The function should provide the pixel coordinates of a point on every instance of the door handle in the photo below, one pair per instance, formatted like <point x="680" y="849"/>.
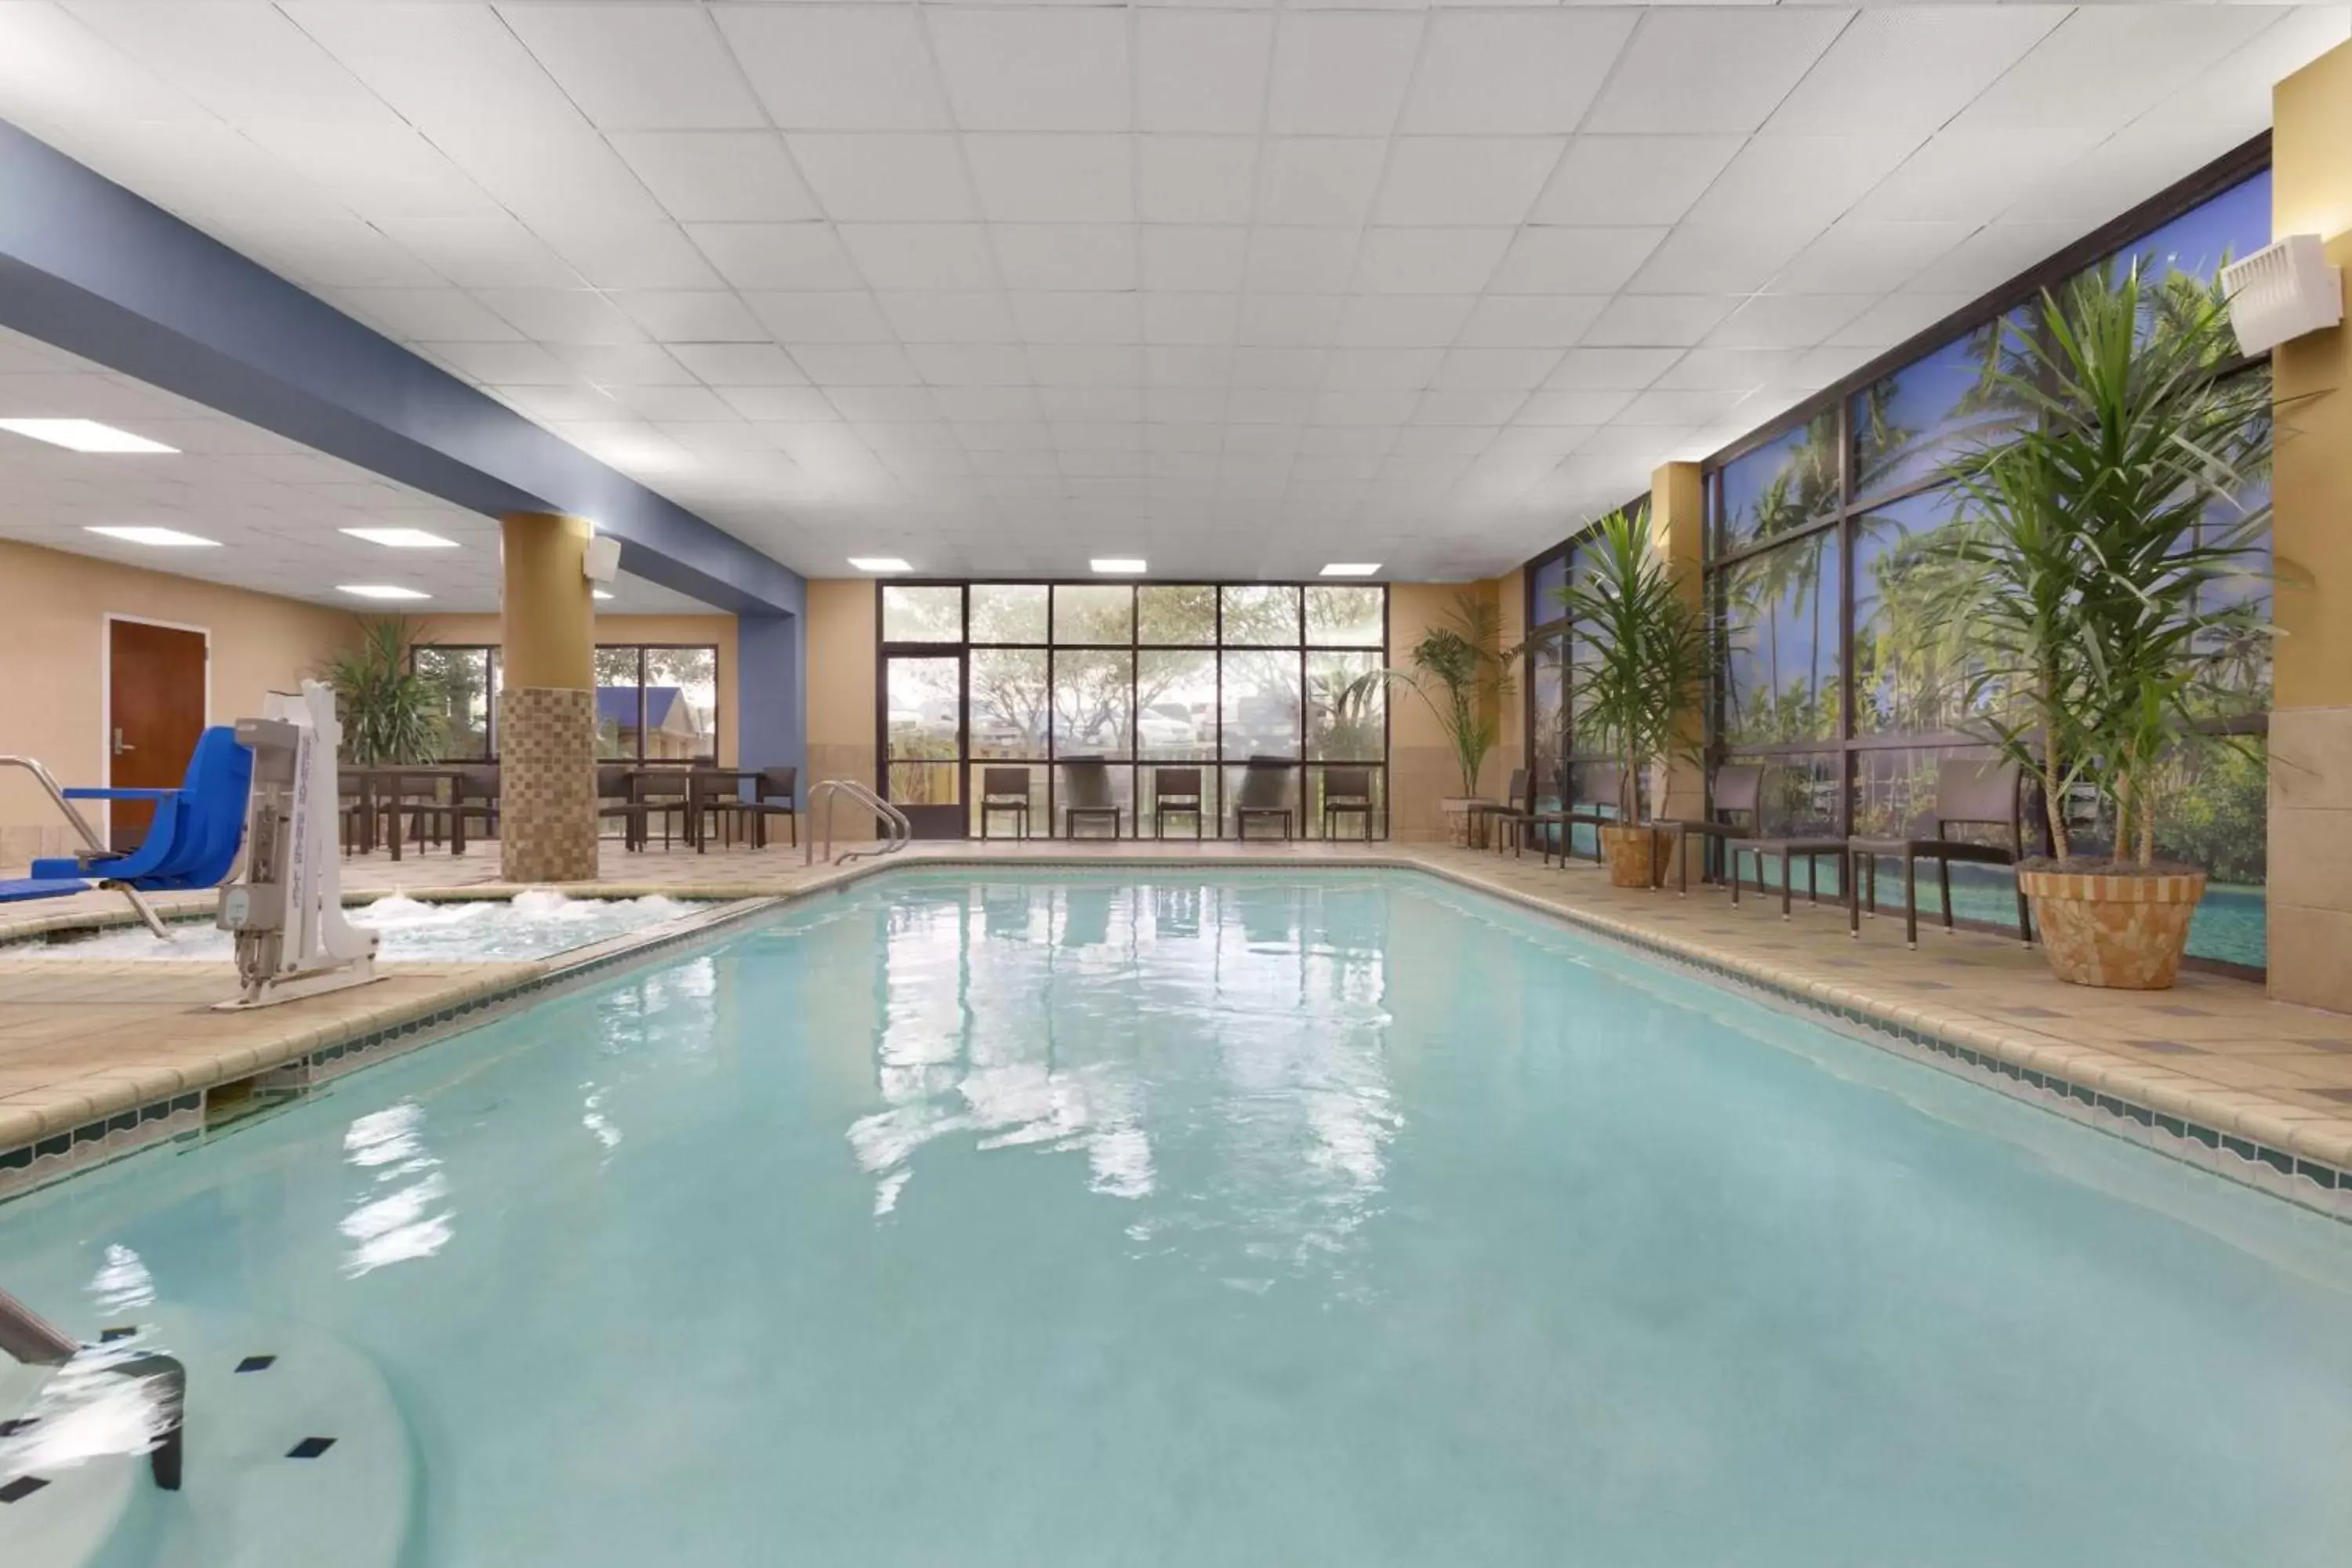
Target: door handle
<point x="122" y="745"/>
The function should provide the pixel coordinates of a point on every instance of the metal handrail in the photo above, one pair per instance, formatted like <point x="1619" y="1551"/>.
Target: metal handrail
<point x="32" y="1340"/>
<point x="901" y="831"/>
<point x="27" y="1336"/>
<point x="90" y="837"/>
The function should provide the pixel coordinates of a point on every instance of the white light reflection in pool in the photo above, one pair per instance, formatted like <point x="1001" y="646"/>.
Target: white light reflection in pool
<point x="404" y="1223"/>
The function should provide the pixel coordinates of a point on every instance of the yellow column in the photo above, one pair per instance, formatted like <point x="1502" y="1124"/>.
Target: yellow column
<point x="546" y="709"/>
<point x="1677" y="519"/>
<point x="2310" y="893"/>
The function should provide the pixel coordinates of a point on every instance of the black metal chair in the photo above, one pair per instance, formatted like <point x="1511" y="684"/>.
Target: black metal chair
<point x="420" y="797"/>
<point x="1515" y="813"/>
<point x="1265" y="793"/>
<point x="474" y="794"/>
<point x="1347" y="791"/>
<point x="1176" y="792"/>
<point x="1787" y="850"/>
<point x="775" y="792"/>
<point x="615" y="797"/>
<point x="1004" y="789"/>
<point x="1739" y="790"/>
<point x="1087" y="780"/>
<point x="1568" y="818"/>
<point x="1969" y="794"/>
<point x="667" y="794"/>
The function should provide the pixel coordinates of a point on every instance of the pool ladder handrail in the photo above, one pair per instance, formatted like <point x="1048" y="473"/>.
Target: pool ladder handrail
<point x="89" y="839"/>
<point x="31" y="1340"/>
<point x="901" y="831"/>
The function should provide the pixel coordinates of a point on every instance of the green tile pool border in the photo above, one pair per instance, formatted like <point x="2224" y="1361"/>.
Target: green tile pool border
<point x="2319" y="1186"/>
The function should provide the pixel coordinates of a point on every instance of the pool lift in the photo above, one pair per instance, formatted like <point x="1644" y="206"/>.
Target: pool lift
<point x="287" y="910"/>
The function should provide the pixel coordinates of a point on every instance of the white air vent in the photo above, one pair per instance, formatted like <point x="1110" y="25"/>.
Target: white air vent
<point x="2282" y="291"/>
<point x="603" y="562"/>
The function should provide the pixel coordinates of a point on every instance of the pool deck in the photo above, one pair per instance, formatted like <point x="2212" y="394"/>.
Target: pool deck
<point x="2212" y="1071"/>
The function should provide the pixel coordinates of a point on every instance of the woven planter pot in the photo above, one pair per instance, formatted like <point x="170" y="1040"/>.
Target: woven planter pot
<point x="2122" y="931"/>
<point x="1632" y="853"/>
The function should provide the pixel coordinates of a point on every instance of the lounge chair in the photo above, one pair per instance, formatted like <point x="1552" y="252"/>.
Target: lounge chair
<point x="1347" y="791"/>
<point x="1004" y="790"/>
<point x="1787" y="850"/>
<point x="1968" y="794"/>
<point x="1089" y="781"/>
<point x="1176" y="791"/>
<point x="1265" y="793"/>
<point x="191" y="841"/>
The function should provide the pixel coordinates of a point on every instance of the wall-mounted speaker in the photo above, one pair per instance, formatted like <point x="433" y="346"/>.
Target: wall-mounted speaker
<point x="2283" y="290"/>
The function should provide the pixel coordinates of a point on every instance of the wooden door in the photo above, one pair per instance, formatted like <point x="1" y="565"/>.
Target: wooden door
<point x="154" y="714"/>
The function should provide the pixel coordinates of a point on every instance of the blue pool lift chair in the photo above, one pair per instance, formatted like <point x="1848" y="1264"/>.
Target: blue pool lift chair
<point x="192" y="842"/>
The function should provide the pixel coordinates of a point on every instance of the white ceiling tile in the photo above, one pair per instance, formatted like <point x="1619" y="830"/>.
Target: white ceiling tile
<point x="1465" y="179"/>
<point x="1792" y="182"/>
<point x="886" y="178"/>
<point x="1911" y="69"/>
<point x="1194" y="258"/>
<point x="691" y="316"/>
<point x="880" y="402"/>
<point x="1632" y="179"/>
<point x="624" y="365"/>
<point x="1194" y="179"/>
<point x="1709" y="70"/>
<point x="971" y="364"/>
<point x="1301" y="260"/>
<point x="987" y="411"/>
<point x="634" y="68"/>
<point x="922" y="255"/>
<point x="1381" y="370"/>
<point x="1866" y="256"/>
<point x="1970" y="176"/>
<point x="1786" y="321"/>
<point x="1047" y="256"/>
<point x="1481" y="407"/>
<point x="673" y="403"/>
<point x="1048" y="69"/>
<point x="837" y="68"/>
<point x="1494" y="369"/>
<point x="1282" y="405"/>
<point x="2105" y="64"/>
<point x="498" y="253"/>
<point x="771" y="404"/>
<point x="1716" y="258"/>
<point x="1440" y="438"/>
<point x="1430" y="260"/>
<point x="725" y="176"/>
<point x="1897" y="319"/>
<point x="1094" y="417"/>
<point x="1574" y="260"/>
<point x="1658" y="320"/>
<point x="856" y="364"/>
<point x="738" y="364"/>
<point x="836" y="316"/>
<point x="975" y="317"/>
<point x="1400" y="321"/>
<point x="563" y="315"/>
<point x="1319" y="180"/>
<point x="1992" y="255"/>
<point x="1191" y="318"/>
<point x="1291" y="367"/>
<point x="1512" y="72"/>
<point x="1552" y="321"/>
<point x="1289" y="320"/>
<point x="1580" y="410"/>
<point x="628" y="254"/>
<point x="1086" y="364"/>
<point x="1063" y="317"/>
<point x="1202" y="71"/>
<point x="247" y="63"/>
<point x="1383" y="411"/>
<point x="1053" y="179"/>
<point x="426" y="315"/>
<point x="569" y="400"/>
<point x="775" y="255"/>
<point x="1729" y="370"/>
<point x="1341" y="73"/>
<point x="507" y="364"/>
<point x="556" y="171"/>
<point x="1174" y="365"/>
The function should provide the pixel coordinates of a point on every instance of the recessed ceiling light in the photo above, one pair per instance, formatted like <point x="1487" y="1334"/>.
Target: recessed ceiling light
<point x="379" y="591"/>
<point x="1117" y="564"/>
<point x="598" y="594"/>
<point x="163" y="538"/>
<point x="880" y="563"/>
<point x="83" y="436"/>
<point x="1353" y="569"/>
<point x="402" y="538"/>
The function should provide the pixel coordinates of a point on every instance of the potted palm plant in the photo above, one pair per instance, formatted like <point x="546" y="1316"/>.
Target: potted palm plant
<point x="1463" y="672"/>
<point x="1637" y="688"/>
<point x="2093" y="555"/>
<point x="390" y="713"/>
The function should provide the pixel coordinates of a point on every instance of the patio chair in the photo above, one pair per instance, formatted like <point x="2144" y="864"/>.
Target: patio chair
<point x="352" y="815"/>
<point x="419" y="795"/>
<point x="615" y="798"/>
<point x="1568" y="818"/>
<point x="1516" y="811"/>
<point x="1176" y="791"/>
<point x="714" y="799"/>
<point x="1738" y="791"/>
<point x="474" y="796"/>
<point x="1265" y="793"/>
<point x="1347" y="791"/>
<point x="775" y="792"/>
<point x="664" y="793"/>
<point x="1004" y="790"/>
<point x="1969" y="794"/>
<point x="1787" y="850"/>
<point x="1088" y="782"/>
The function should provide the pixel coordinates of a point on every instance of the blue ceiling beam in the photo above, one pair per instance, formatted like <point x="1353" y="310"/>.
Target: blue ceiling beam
<point x="95" y="270"/>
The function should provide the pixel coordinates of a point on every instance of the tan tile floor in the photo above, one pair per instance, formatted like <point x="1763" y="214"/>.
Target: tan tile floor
<point x="77" y="1043"/>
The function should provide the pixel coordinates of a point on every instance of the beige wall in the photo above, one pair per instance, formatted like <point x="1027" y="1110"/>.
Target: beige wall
<point x="52" y="695"/>
<point x="714" y="629"/>
<point x="1422" y="769"/>
<point x="2311" y="725"/>
<point x="841" y="633"/>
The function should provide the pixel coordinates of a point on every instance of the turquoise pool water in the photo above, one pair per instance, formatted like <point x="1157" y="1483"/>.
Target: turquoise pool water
<point x="1248" y="1220"/>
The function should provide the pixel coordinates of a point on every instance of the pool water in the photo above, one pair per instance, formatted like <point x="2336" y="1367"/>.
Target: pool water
<point x="537" y="923"/>
<point x="1062" y="1220"/>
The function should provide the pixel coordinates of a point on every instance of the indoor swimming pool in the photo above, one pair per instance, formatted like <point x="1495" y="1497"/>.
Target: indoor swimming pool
<point x="537" y="923"/>
<point x="1066" y="1219"/>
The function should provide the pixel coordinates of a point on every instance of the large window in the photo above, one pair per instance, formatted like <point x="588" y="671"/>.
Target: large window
<point x="656" y="702"/>
<point x="1144" y="676"/>
<point x="1833" y="666"/>
<point x="1565" y="764"/>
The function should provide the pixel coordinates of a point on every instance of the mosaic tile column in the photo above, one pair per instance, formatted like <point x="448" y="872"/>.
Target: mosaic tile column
<point x="547" y="710"/>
